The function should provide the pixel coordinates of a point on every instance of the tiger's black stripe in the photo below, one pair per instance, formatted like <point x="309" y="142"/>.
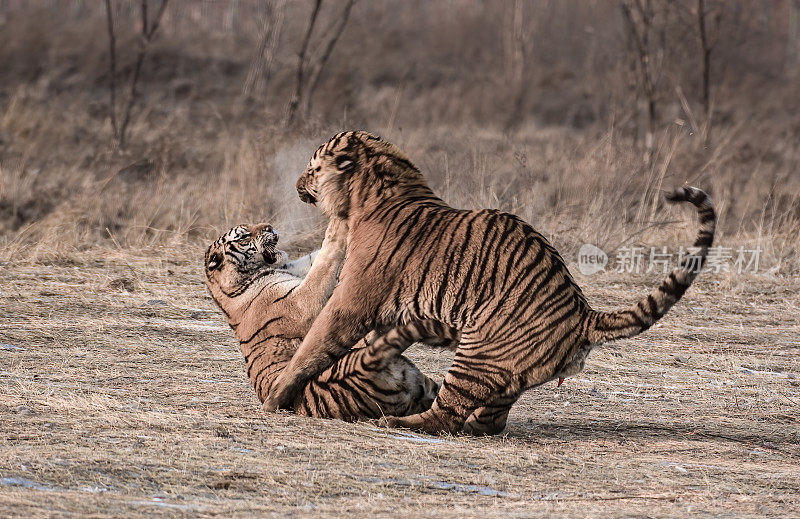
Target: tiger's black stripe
<point x="521" y="317"/>
<point x="258" y="303"/>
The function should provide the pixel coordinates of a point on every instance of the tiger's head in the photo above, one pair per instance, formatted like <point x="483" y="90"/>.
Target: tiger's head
<point x="353" y="168"/>
<point x="241" y="256"/>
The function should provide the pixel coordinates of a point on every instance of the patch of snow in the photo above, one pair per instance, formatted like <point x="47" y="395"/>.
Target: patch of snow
<point x="27" y="483"/>
<point x="417" y="439"/>
<point x="682" y="467"/>
<point x="768" y="373"/>
<point x="242" y="450"/>
<point x="199" y="310"/>
<point x="157" y="502"/>
<point x="94" y="490"/>
<point x="189" y="325"/>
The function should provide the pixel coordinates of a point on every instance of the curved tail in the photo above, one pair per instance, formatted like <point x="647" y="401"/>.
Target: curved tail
<point x="608" y="326"/>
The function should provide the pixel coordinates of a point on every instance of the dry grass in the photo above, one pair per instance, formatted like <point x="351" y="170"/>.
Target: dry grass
<point x="201" y="158"/>
<point x="122" y="392"/>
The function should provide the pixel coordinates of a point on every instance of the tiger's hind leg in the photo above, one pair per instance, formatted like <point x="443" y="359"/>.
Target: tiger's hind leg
<point x="466" y="387"/>
<point x="490" y="419"/>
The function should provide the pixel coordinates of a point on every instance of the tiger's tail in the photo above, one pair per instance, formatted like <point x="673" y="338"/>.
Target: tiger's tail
<point x="609" y="326"/>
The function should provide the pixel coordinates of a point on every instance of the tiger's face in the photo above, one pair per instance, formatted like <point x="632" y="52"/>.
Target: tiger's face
<point x="327" y="176"/>
<point x="240" y="256"/>
<point x="353" y="165"/>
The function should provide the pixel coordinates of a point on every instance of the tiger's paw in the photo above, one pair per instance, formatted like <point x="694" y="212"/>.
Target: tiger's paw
<point x="390" y="422"/>
<point x="473" y="428"/>
<point x="281" y="395"/>
<point x="276" y="401"/>
<point x="423" y="422"/>
<point x="270" y="405"/>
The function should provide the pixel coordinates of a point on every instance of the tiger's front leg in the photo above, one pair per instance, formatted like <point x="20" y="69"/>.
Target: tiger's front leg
<point x="339" y="325"/>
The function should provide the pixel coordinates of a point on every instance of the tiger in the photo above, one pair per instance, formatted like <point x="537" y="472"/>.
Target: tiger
<point x="521" y="318"/>
<point x="270" y="304"/>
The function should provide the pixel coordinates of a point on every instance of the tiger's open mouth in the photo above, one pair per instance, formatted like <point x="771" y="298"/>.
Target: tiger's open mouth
<point x="274" y="257"/>
<point x="306" y="197"/>
<point x="267" y="244"/>
<point x="270" y="257"/>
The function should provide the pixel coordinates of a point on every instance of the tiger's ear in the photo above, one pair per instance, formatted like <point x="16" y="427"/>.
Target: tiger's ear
<point x="345" y="163"/>
<point x="214" y="260"/>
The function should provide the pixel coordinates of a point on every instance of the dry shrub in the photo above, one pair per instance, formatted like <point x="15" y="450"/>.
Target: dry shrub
<point x="434" y="78"/>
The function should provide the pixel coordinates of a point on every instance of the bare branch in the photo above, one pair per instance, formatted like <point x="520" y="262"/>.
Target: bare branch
<point x="705" y="49"/>
<point x="144" y="17"/>
<point x="147" y="36"/>
<point x="112" y="44"/>
<point x="261" y="63"/>
<point x="157" y="21"/>
<point x="301" y="59"/>
<point x="641" y="39"/>
<point x="327" y="54"/>
<point x="794" y="22"/>
<point x="518" y="51"/>
<point x="707" y="43"/>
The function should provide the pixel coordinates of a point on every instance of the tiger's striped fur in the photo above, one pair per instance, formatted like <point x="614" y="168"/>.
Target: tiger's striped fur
<point x="270" y="304"/>
<point x="523" y="320"/>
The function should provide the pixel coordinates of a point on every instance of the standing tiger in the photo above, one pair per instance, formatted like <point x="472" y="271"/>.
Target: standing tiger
<point x="270" y="304"/>
<point x="523" y="320"/>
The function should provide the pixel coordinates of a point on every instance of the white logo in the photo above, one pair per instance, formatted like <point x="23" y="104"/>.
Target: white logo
<point x="591" y="259"/>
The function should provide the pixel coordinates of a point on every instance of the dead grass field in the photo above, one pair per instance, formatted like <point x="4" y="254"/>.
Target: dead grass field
<point x="122" y="393"/>
<point x="122" y="390"/>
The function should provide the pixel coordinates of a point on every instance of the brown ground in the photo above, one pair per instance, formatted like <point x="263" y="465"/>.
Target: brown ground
<point x="122" y="393"/>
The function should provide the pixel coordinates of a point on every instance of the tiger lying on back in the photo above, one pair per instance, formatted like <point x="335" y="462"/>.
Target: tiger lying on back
<point x="270" y="307"/>
<point x="522" y="319"/>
